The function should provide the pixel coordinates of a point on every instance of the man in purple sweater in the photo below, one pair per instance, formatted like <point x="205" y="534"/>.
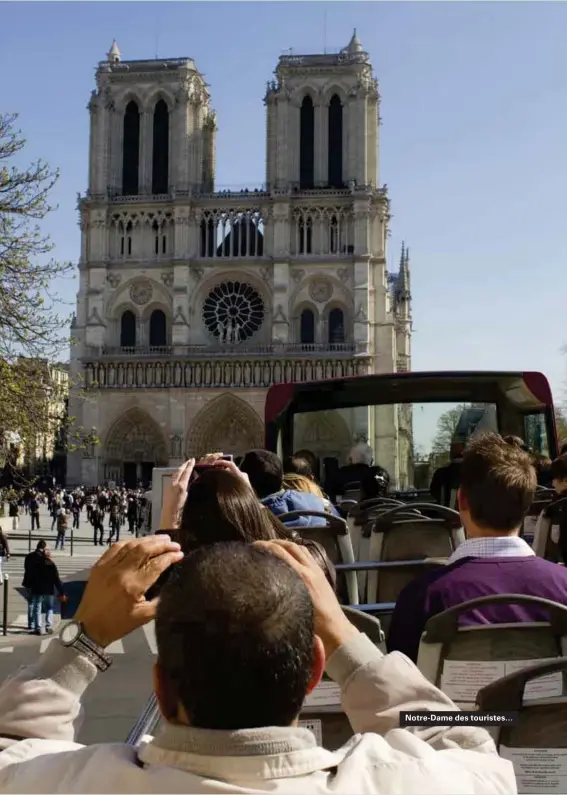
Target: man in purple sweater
<point x="497" y="486"/>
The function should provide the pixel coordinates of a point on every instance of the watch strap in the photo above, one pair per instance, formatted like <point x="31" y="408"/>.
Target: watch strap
<point x="95" y="653"/>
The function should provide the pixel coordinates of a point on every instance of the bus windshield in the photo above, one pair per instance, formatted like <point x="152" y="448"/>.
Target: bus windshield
<point x="411" y="423"/>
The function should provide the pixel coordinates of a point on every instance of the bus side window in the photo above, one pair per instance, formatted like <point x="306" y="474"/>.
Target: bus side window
<point x="535" y="433"/>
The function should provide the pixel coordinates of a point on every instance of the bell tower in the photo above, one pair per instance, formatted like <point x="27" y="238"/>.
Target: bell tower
<point x="152" y="128"/>
<point x="322" y="121"/>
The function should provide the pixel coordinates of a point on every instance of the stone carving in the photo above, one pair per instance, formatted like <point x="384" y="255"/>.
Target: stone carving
<point x="343" y="274"/>
<point x="176" y="442"/>
<point x="198" y="273"/>
<point x="297" y="275"/>
<point x="279" y="316"/>
<point x="320" y="290"/>
<point x="266" y="274"/>
<point x="179" y="318"/>
<point x="141" y="292"/>
<point x="361" y="316"/>
<point x="94" y="318"/>
<point x="167" y="278"/>
<point x="114" y="280"/>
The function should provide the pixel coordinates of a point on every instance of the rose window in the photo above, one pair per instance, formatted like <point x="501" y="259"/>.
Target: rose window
<point x="233" y="312"/>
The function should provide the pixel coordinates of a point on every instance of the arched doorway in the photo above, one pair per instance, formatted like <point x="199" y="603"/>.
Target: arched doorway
<point x="227" y="424"/>
<point x="325" y="433"/>
<point x="134" y="446"/>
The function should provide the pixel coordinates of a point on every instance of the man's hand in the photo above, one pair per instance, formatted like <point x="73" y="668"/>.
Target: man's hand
<point x="114" y="602"/>
<point x="175" y="496"/>
<point x="331" y="624"/>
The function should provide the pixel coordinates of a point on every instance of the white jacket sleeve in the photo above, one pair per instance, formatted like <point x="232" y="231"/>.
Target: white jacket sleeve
<point x="43" y="700"/>
<point x="375" y="688"/>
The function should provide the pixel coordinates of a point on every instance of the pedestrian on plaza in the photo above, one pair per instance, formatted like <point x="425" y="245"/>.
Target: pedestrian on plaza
<point x="97" y="521"/>
<point x="34" y="511"/>
<point x="114" y="522"/>
<point x="76" y="510"/>
<point x="62" y="526"/>
<point x="42" y="582"/>
<point x="4" y="553"/>
<point x="14" y="512"/>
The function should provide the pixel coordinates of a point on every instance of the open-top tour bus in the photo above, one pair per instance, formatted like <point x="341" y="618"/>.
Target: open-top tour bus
<point x="408" y="419"/>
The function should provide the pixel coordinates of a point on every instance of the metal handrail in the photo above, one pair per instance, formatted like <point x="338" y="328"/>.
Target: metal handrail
<point x="146" y="723"/>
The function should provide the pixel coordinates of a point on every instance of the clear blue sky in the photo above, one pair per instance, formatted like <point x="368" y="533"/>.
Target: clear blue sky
<point x="473" y="145"/>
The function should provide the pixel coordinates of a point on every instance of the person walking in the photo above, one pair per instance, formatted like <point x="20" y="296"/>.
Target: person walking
<point x="34" y="511"/>
<point x="62" y="525"/>
<point x="4" y="553"/>
<point x="14" y="512"/>
<point x="42" y="582"/>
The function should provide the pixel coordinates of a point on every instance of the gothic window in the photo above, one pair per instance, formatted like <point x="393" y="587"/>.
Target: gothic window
<point x="334" y="235"/>
<point x="305" y="236"/>
<point x="158" y="329"/>
<point x="336" y="326"/>
<point x="307" y="327"/>
<point x="164" y="244"/>
<point x="128" y="330"/>
<point x="131" y="150"/>
<point x="129" y="231"/>
<point x="307" y="144"/>
<point x="160" y="155"/>
<point x="155" y="230"/>
<point x="208" y="237"/>
<point x="122" y="238"/>
<point x="335" y="143"/>
<point x="233" y="312"/>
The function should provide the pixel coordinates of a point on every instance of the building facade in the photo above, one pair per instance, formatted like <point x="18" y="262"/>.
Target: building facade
<point x="193" y="302"/>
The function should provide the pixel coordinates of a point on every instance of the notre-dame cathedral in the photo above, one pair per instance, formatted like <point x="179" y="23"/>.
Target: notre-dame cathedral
<point x="192" y="302"/>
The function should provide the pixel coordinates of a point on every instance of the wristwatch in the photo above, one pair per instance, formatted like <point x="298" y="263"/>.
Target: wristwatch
<point x="73" y="636"/>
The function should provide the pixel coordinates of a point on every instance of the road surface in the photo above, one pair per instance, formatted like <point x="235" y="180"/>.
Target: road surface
<point x="116" y="697"/>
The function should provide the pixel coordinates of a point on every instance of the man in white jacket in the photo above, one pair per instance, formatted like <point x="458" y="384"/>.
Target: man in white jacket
<point x="244" y="633"/>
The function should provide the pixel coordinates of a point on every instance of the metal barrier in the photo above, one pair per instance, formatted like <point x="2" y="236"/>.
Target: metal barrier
<point x="5" y="606"/>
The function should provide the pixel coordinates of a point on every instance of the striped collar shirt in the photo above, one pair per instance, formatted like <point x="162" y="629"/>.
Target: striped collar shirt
<point x="498" y="547"/>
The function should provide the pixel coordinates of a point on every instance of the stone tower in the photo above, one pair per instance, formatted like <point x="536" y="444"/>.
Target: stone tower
<point x="193" y="302"/>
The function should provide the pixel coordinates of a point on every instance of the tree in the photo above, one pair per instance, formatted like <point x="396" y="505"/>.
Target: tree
<point x="446" y="427"/>
<point x="32" y="332"/>
<point x="561" y="424"/>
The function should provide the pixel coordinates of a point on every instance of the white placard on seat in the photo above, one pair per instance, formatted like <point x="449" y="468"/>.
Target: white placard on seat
<point x="326" y="694"/>
<point x="315" y="727"/>
<point x="461" y="680"/>
<point x="539" y="771"/>
<point x="550" y="686"/>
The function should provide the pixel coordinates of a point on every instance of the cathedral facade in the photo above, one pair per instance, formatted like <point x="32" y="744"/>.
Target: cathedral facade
<point x="192" y="302"/>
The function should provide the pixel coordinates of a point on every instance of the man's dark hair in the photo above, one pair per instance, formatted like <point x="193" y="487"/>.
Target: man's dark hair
<point x="235" y="636"/>
<point x="297" y="465"/>
<point x="264" y="470"/>
<point x="498" y="482"/>
<point x="559" y="468"/>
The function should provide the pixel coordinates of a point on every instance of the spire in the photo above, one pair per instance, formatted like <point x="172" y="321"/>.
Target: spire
<point x="113" y="55"/>
<point x="403" y="285"/>
<point x="354" y="45"/>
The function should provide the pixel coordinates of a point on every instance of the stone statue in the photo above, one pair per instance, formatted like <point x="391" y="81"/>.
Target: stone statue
<point x="220" y="331"/>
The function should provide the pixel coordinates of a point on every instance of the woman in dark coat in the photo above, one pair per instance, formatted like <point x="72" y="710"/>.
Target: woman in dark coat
<point x="42" y="581"/>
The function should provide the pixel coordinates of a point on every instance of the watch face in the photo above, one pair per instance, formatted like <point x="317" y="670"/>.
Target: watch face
<point x="70" y="632"/>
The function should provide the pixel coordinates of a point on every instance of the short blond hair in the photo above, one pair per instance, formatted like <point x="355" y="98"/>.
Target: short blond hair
<point x="301" y="483"/>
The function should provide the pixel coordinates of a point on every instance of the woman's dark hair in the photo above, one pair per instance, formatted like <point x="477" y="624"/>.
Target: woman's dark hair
<point x="221" y="506"/>
<point x="296" y="465"/>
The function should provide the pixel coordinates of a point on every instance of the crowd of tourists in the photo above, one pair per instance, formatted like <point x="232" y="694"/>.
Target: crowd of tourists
<point x="247" y="621"/>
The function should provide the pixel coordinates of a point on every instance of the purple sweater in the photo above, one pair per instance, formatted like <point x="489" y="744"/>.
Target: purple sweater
<point x="471" y="578"/>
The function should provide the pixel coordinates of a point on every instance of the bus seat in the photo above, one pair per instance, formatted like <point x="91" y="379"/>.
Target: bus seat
<point x="351" y="492"/>
<point x="323" y="707"/>
<point x="416" y="536"/>
<point x="462" y="660"/>
<point x="334" y="537"/>
<point x="539" y="737"/>
<point x="544" y="544"/>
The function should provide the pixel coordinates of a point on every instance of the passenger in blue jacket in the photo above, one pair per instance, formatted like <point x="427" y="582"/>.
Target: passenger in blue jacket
<point x="266" y="475"/>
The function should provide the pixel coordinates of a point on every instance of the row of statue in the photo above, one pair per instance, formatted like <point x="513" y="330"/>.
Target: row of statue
<point x="229" y="330"/>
